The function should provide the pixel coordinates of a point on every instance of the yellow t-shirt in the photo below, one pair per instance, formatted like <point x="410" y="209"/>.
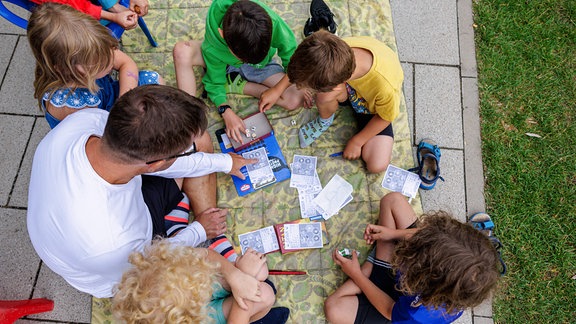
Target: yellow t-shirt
<point x="381" y="87"/>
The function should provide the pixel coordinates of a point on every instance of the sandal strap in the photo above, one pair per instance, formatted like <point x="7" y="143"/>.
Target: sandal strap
<point x="434" y="149"/>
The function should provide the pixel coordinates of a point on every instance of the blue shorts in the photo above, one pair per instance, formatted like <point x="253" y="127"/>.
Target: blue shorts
<point x="254" y="74"/>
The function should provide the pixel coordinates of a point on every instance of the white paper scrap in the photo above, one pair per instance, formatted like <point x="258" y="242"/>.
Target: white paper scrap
<point x="333" y="196"/>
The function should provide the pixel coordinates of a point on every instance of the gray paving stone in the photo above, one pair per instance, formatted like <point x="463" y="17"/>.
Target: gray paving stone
<point x="466" y="38"/>
<point x="70" y="305"/>
<point x="17" y="93"/>
<point x="19" y="197"/>
<point x="437" y="105"/>
<point x="7" y="27"/>
<point x="449" y="195"/>
<point x="483" y="320"/>
<point x="466" y="318"/>
<point x="426" y="31"/>
<point x="484" y="309"/>
<point x="409" y="94"/>
<point x="472" y="147"/>
<point x="18" y="260"/>
<point x="14" y="134"/>
<point x="8" y="42"/>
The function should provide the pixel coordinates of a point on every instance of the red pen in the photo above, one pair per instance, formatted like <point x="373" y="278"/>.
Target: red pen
<point x="286" y="272"/>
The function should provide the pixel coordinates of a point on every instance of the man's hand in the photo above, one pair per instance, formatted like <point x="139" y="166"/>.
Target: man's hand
<point x="140" y="7"/>
<point x="268" y="98"/>
<point x="238" y="161"/>
<point x="351" y="267"/>
<point x="235" y="128"/>
<point x="214" y="221"/>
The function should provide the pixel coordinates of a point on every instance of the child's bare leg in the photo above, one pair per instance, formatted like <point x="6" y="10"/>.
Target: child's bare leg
<point x="290" y="99"/>
<point x="187" y="54"/>
<point x="395" y="213"/>
<point x="377" y="153"/>
<point x="341" y="305"/>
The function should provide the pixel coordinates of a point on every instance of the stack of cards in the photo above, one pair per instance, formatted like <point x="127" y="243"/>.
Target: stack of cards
<point x="336" y="195"/>
<point x="260" y="173"/>
<point x="305" y="179"/>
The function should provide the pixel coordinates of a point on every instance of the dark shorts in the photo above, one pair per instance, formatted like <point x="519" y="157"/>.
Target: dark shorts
<point x="363" y="119"/>
<point x="384" y="279"/>
<point x="161" y="195"/>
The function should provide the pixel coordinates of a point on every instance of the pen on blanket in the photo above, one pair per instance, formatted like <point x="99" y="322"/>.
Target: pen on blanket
<point x="337" y="154"/>
<point x="286" y="272"/>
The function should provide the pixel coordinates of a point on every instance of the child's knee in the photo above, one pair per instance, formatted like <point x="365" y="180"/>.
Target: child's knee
<point x="332" y="309"/>
<point x="376" y="167"/>
<point x="391" y="198"/>
<point x="184" y="52"/>
<point x="294" y="102"/>
<point x="268" y="298"/>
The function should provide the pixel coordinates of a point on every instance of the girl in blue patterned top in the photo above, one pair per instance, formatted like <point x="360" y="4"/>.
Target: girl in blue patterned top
<point x="74" y="57"/>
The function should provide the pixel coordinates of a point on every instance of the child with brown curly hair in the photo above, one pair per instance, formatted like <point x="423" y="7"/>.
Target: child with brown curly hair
<point x="171" y="283"/>
<point x="421" y="271"/>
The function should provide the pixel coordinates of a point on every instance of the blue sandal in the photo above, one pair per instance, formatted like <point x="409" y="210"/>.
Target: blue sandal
<point x="428" y="169"/>
<point x="483" y="222"/>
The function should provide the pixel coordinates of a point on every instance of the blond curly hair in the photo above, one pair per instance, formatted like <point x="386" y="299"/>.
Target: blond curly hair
<point x="167" y="283"/>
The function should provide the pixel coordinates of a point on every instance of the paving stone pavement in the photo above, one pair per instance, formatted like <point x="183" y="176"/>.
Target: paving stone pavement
<point x="436" y="46"/>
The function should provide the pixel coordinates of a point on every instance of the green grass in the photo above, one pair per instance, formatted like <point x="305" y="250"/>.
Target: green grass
<point x="527" y="79"/>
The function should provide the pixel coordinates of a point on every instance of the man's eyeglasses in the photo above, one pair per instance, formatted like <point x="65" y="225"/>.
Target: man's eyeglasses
<point x="191" y="151"/>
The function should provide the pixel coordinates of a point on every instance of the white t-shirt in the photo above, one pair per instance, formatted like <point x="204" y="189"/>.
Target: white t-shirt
<point x="83" y="227"/>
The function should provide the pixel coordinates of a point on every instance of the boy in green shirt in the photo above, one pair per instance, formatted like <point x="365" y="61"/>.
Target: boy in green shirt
<point x="239" y="44"/>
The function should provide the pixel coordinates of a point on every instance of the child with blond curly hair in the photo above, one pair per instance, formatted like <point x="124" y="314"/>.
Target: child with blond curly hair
<point x="170" y="283"/>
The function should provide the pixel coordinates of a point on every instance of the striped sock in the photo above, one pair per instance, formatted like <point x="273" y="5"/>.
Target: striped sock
<point x="222" y="245"/>
<point x="178" y="217"/>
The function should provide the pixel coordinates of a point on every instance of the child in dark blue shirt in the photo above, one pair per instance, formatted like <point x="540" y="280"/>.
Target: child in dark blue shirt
<point x="420" y="271"/>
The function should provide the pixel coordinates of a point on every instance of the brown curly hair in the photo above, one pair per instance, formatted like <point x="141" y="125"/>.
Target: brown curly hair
<point x="167" y="283"/>
<point x="447" y="263"/>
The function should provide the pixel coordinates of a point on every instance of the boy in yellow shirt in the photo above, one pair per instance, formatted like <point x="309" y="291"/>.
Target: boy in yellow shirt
<point x="361" y="70"/>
